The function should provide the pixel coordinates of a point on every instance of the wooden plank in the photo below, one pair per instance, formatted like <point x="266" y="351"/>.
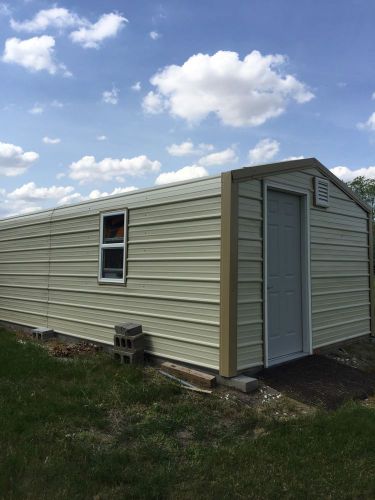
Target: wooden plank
<point x="194" y="376"/>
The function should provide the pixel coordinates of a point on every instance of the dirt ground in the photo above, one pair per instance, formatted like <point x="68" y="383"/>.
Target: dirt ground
<point x="326" y="380"/>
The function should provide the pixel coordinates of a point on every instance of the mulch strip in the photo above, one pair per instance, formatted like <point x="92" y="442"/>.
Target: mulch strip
<point x="320" y="381"/>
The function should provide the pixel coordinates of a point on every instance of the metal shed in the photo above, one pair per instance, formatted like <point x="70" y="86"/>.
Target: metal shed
<point x="255" y="267"/>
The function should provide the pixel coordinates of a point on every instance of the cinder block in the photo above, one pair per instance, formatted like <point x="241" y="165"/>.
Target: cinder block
<point x="42" y="334"/>
<point x="129" y="342"/>
<point x="129" y="358"/>
<point x="128" y="329"/>
<point x="242" y="383"/>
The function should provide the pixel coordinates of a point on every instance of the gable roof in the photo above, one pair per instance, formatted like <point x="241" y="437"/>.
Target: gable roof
<point x="260" y="171"/>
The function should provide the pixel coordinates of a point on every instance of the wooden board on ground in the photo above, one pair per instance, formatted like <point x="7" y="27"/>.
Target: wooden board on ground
<point x="193" y="376"/>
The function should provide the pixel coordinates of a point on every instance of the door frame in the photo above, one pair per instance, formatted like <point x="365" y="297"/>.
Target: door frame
<point x="304" y="195"/>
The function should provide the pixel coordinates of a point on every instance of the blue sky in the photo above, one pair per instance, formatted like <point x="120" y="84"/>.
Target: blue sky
<point x="102" y="97"/>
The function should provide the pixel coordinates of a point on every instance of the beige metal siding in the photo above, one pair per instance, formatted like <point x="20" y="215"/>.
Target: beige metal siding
<point x="173" y="271"/>
<point x="250" y="264"/>
<point x="24" y="253"/>
<point x="339" y="252"/>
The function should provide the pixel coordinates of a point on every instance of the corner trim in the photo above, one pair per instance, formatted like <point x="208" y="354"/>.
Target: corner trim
<point x="228" y="276"/>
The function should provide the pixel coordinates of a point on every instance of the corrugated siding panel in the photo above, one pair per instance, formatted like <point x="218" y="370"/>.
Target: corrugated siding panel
<point x="173" y="268"/>
<point x="250" y="274"/>
<point x="24" y="251"/>
<point x="339" y="263"/>
<point x="339" y="266"/>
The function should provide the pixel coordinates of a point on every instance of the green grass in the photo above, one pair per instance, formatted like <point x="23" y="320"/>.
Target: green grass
<point x="89" y="428"/>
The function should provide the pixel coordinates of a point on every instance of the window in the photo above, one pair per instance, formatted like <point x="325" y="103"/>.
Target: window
<point x="112" y="247"/>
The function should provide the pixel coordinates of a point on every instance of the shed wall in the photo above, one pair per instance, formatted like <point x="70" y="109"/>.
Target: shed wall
<point x="340" y="277"/>
<point x="49" y="271"/>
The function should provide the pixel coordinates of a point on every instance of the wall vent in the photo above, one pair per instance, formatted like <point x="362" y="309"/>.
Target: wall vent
<point x="321" y="192"/>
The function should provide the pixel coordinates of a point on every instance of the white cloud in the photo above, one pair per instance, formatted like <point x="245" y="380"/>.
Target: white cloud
<point x="153" y="103"/>
<point x="345" y="174"/>
<point x="31" y="192"/>
<point x="119" y="190"/>
<point x="154" y="35"/>
<point x="37" y="109"/>
<point x="5" y="9"/>
<point x="369" y="124"/>
<point x="183" y="174"/>
<point x="188" y="148"/>
<point x="14" y="161"/>
<point x="87" y="169"/>
<point x="111" y="96"/>
<point x="291" y="158"/>
<point x="57" y="104"/>
<point x="136" y="87"/>
<point x="244" y="92"/>
<point x="34" y="54"/>
<point x="60" y="175"/>
<point x="50" y="140"/>
<point x="56" y="17"/>
<point x="93" y="195"/>
<point x="264" y="151"/>
<point x="92" y="34"/>
<point x="219" y="158"/>
<point x="101" y="138"/>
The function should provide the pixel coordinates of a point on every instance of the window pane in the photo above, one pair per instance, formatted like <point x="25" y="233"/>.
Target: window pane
<point x="113" y="228"/>
<point x="113" y="263"/>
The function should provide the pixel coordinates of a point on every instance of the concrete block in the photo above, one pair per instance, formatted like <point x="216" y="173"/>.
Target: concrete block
<point x="128" y="329"/>
<point x="42" y="334"/>
<point x="242" y="383"/>
<point x="129" y="342"/>
<point x="129" y="358"/>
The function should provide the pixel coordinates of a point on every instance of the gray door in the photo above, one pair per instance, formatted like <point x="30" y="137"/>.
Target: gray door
<point x="284" y="280"/>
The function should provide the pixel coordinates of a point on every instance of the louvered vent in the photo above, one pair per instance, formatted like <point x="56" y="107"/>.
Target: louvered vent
<point x="321" y="192"/>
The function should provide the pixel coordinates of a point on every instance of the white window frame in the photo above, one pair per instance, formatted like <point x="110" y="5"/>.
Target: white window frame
<point x="113" y="245"/>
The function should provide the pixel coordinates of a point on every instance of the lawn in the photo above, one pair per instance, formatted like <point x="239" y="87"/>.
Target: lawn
<point x="89" y="428"/>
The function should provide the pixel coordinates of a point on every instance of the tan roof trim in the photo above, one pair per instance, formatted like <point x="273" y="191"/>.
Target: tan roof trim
<point x="295" y="165"/>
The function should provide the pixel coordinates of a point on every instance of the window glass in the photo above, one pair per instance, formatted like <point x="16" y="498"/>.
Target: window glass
<point x="113" y="263"/>
<point x="113" y="228"/>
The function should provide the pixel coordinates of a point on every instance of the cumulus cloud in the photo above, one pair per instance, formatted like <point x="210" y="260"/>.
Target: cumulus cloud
<point x="87" y="169"/>
<point x="50" y="140"/>
<point x="31" y="192"/>
<point x="34" y="54"/>
<point x="345" y="174"/>
<point x="5" y="9"/>
<point x="264" y="151"/>
<point x="111" y="96"/>
<point x="153" y="103"/>
<point x="183" y="174"/>
<point x="92" y="35"/>
<point x="239" y="92"/>
<point x="56" y="17"/>
<point x="136" y="87"/>
<point x="291" y="158"/>
<point x="154" y="35"/>
<point x="369" y="124"/>
<point x="30" y="197"/>
<point x="14" y="161"/>
<point x="101" y="138"/>
<point x="219" y="158"/>
<point x="187" y="148"/>
<point x="57" y="104"/>
<point x="37" y="109"/>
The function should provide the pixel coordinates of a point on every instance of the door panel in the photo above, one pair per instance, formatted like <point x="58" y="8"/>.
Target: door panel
<point x="284" y="280"/>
